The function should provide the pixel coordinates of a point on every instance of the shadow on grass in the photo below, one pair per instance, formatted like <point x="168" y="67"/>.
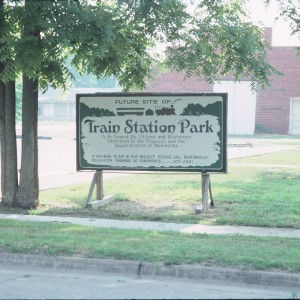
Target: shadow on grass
<point x="246" y="196"/>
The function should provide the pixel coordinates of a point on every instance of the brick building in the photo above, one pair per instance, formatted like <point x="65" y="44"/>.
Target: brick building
<point x="275" y="109"/>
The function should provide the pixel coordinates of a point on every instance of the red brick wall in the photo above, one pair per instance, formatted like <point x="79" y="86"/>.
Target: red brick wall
<point x="273" y="103"/>
<point x="172" y="81"/>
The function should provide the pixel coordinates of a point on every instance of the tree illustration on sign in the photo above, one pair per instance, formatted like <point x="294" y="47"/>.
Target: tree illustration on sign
<point x="214" y="109"/>
<point x="94" y="111"/>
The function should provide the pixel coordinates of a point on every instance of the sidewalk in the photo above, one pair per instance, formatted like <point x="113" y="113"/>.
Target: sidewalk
<point x="159" y="226"/>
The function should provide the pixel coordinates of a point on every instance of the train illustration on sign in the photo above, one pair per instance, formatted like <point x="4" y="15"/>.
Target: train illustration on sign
<point x="130" y="111"/>
<point x="159" y="110"/>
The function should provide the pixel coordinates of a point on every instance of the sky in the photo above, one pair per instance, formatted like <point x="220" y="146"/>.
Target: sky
<point x="266" y="15"/>
<point x="281" y="30"/>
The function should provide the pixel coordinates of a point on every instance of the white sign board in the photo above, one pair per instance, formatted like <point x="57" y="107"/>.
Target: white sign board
<point x="141" y="131"/>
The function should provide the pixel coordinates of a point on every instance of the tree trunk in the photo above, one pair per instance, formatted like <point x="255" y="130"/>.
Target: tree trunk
<point x="2" y="135"/>
<point x="8" y="143"/>
<point x="28" y="190"/>
<point x="9" y="168"/>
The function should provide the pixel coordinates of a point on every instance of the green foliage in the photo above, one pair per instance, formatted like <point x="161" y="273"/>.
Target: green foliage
<point x="103" y="39"/>
<point x="8" y="71"/>
<point x="220" y="42"/>
<point x="114" y="38"/>
<point x="290" y="13"/>
<point x="90" y="80"/>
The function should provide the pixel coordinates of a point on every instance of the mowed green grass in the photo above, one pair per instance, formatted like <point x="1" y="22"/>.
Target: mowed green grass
<point x="251" y="253"/>
<point x="257" y="191"/>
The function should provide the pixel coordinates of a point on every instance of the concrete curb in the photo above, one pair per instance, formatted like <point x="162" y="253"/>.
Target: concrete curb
<point x="135" y="268"/>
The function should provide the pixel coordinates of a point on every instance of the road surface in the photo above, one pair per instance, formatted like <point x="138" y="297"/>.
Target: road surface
<point x="28" y="282"/>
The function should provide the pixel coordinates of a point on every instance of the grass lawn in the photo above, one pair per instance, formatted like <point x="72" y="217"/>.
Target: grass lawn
<point x="254" y="192"/>
<point x="251" y="253"/>
<point x="257" y="191"/>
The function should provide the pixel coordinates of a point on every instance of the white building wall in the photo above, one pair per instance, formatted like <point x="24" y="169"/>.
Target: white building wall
<point x="241" y="106"/>
<point x="295" y="116"/>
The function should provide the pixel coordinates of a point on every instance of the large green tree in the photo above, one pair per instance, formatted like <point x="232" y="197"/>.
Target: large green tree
<point x="107" y="38"/>
<point x="102" y="39"/>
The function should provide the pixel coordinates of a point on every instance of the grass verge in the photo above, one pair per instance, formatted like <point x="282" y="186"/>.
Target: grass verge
<point x="257" y="191"/>
<point x="241" y="252"/>
<point x="250" y="194"/>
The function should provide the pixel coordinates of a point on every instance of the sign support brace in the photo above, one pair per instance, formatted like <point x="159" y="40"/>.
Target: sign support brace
<point x="100" y="199"/>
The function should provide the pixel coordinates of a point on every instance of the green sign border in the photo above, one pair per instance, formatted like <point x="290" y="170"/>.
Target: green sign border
<point x="212" y="169"/>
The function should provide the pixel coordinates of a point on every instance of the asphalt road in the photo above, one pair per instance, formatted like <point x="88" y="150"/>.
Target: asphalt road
<point x="42" y="283"/>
